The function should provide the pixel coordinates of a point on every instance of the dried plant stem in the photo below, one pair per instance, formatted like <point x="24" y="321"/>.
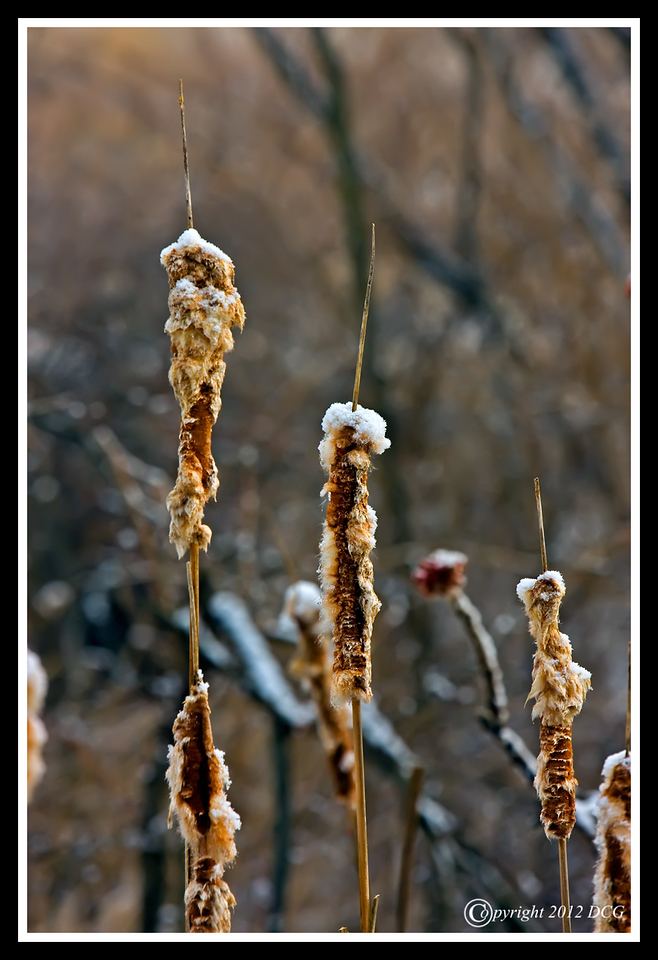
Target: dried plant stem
<point x="188" y="193"/>
<point x="361" y="822"/>
<point x="364" y="324"/>
<point x="564" y="885"/>
<point x="540" y="521"/>
<point x="411" y="828"/>
<point x="367" y="923"/>
<point x="193" y="589"/>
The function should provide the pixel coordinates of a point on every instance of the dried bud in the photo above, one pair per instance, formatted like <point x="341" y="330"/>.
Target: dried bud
<point x="441" y="574"/>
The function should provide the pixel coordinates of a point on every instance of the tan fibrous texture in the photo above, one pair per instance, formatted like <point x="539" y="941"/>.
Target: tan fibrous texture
<point x="37" y="686"/>
<point x="203" y="307"/>
<point x="198" y="781"/>
<point x="612" y="876"/>
<point x="559" y="687"/>
<point x="312" y="664"/>
<point x="346" y="571"/>
<point x="208" y="899"/>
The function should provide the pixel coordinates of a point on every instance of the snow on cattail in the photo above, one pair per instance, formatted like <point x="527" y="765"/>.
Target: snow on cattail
<point x="559" y="687"/>
<point x="312" y="664"/>
<point x="37" y="686"/>
<point x="203" y="307"/>
<point x="612" y="877"/>
<point x="198" y="780"/>
<point x="441" y="574"/>
<point x="346" y="572"/>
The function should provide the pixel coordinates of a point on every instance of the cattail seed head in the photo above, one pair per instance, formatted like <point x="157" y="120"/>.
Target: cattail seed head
<point x="346" y="571"/>
<point x="303" y="606"/>
<point x="203" y="307"/>
<point x="612" y="876"/>
<point x="559" y="687"/>
<point x="198" y="781"/>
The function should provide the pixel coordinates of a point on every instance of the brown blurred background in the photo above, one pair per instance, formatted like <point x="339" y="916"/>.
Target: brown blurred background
<point x="495" y="166"/>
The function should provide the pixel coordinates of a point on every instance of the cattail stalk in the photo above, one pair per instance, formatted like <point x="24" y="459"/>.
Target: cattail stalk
<point x="612" y="876"/>
<point x="351" y="435"/>
<point x="204" y="305"/>
<point x="559" y="687"/>
<point x="346" y="575"/>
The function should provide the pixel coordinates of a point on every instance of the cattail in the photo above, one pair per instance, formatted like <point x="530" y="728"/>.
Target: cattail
<point x="37" y="686"/>
<point x="203" y="307"/>
<point x="559" y="687"/>
<point x="198" y="780"/>
<point x="312" y="664"/>
<point x="612" y="877"/>
<point x="346" y="572"/>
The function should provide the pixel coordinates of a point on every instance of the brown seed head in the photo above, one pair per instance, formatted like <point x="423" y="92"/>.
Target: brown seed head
<point x="203" y="307"/>
<point x="559" y="687"/>
<point x="612" y="877"/>
<point x="346" y="571"/>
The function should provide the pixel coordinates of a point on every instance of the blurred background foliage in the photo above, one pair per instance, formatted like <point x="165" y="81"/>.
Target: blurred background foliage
<point x="495" y="166"/>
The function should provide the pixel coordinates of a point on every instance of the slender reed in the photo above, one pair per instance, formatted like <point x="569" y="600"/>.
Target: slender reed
<point x="411" y="828"/>
<point x="559" y="687"/>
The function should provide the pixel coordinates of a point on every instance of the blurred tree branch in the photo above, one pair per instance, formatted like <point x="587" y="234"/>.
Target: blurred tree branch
<point x="571" y="184"/>
<point x="563" y="44"/>
<point x="448" y="269"/>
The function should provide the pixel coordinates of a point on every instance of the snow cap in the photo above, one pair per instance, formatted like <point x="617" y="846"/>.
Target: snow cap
<point x="369" y="426"/>
<point x="191" y="239"/>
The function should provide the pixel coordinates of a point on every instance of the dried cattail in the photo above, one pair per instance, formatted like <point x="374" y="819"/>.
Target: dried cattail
<point x="346" y="571"/>
<point x="312" y="664"/>
<point x="203" y="307"/>
<point x="559" y="687"/>
<point x="37" y="686"/>
<point x="198" y="780"/>
<point x="612" y="877"/>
